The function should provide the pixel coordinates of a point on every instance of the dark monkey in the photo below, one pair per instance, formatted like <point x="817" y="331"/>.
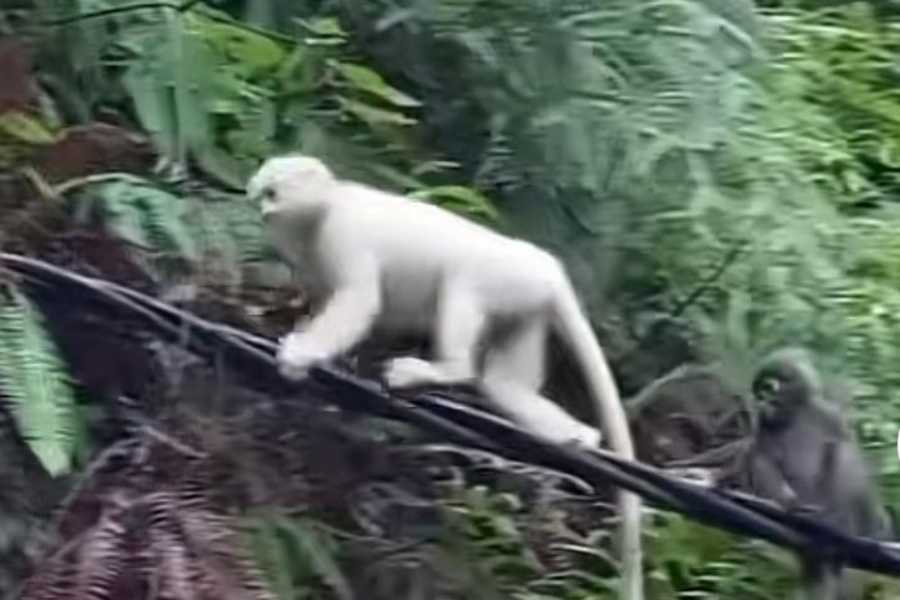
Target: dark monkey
<point x="805" y="455"/>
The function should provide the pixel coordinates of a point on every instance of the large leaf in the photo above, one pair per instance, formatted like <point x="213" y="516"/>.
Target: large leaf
<point x="25" y="128"/>
<point x="169" y="82"/>
<point x="252" y="52"/>
<point x="34" y="380"/>
<point x="364" y="78"/>
<point x="374" y="116"/>
<point x="459" y="198"/>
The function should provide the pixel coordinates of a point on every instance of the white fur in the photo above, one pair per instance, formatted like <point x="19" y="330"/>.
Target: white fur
<point x="383" y="261"/>
<point x="394" y="263"/>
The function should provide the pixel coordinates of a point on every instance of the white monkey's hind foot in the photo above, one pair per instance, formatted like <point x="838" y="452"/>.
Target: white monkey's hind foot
<point x="584" y="436"/>
<point x="408" y="371"/>
<point x="571" y="432"/>
<point x="539" y="415"/>
<point x="565" y="431"/>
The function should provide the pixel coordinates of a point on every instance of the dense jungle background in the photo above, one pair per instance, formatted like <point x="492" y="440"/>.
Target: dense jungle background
<point x="721" y="177"/>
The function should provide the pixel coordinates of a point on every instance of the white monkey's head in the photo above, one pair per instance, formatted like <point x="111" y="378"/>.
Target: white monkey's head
<point x="291" y="185"/>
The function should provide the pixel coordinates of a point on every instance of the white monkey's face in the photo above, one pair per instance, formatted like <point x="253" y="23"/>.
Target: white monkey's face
<point x="290" y="185"/>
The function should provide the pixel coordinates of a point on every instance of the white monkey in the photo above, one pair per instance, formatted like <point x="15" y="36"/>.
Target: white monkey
<point x="385" y="262"/>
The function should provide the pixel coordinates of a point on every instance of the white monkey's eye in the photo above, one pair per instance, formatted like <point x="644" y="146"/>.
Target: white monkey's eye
<point x="268" y="202"/>
<point x="267" y="197"/>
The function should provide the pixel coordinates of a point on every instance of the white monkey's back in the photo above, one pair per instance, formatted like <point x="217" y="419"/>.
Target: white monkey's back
<point x="420" y="246"/>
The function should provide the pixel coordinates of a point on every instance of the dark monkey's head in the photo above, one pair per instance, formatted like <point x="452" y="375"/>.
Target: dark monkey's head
<point x="785" y="382"/>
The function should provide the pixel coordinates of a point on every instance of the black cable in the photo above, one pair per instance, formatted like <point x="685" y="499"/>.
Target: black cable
<point x="253" y="356"/>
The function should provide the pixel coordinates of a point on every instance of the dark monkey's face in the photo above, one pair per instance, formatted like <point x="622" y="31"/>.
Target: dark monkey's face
<point x="785" y="383"/>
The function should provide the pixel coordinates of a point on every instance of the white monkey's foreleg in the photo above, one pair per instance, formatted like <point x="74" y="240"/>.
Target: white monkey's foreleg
<point x="343" y="322"/>
<point x="513" y="374"/>
<point x="458" y="325"/>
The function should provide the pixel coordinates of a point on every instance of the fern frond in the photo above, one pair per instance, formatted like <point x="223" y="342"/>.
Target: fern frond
<point x="193" y="227"/>
<point x="102" y="558"/>
<point x="286" y="545"/>
<point x="138" y="211"/>
<point x="35" y="382"/>
<point x="231" y="227"/>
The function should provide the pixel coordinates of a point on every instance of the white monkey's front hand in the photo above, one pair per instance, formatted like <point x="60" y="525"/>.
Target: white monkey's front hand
<point x="299" y="352"/>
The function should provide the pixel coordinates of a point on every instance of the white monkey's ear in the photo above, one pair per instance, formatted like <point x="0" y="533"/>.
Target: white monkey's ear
<point x="313" y="169"/>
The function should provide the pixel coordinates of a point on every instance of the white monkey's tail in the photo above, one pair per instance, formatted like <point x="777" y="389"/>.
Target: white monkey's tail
<point x="570" y="322"/>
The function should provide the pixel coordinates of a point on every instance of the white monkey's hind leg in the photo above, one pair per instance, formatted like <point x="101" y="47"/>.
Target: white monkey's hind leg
<point x="513" y="374"/>
<point x="458" y="325"/>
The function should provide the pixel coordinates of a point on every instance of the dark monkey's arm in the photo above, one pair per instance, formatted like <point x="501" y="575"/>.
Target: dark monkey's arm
<point x="767" y="481"/>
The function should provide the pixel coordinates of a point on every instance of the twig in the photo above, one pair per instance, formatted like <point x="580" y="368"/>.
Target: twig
<point x="106" y="12"/>
<point x="181" y="8"/>
<point x="695" y="294"/>
<point x="171" y="442"/>
<point x="711" y="278"/>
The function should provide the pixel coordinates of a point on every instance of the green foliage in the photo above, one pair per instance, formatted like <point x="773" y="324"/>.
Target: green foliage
<point x="691" y="561"/>
<point x="488" y="523"/>
<point x="20" y="135"/>
<point x="461" y="199"/>
<point x="296" y="557"/>
<point x="840" y="61"/>
<point x="211" y="89"/>
<point x="24" y="128"/>
<point x="142" y="214"/>
<point x="649" y="143"/>
<point x="603" y="126"/>
<point x="491" y="527"/>
<point x="193" y="231"/>
<point x="34" y="382"/>
<point x="837" y="78"/>
<point x="645" y="141"/>
<point x="140" y="519"/>
<point x="364" y="79"/>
